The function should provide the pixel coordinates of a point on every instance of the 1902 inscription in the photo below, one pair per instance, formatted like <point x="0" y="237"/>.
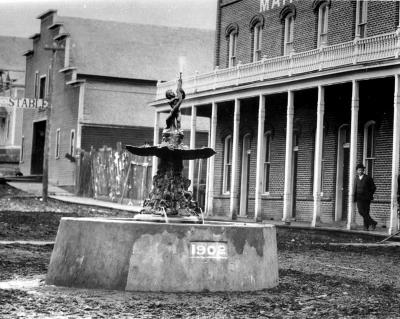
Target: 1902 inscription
<point x="208" y="250"/>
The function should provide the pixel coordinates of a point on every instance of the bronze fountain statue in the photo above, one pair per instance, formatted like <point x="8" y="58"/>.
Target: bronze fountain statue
<point x="170" y="196"/>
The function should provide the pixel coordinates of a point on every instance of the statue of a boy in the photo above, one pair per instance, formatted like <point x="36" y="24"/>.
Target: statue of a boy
<point x="175" y="101"/>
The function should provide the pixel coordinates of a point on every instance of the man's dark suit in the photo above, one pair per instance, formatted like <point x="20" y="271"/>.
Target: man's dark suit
<point x="364" y="190"/>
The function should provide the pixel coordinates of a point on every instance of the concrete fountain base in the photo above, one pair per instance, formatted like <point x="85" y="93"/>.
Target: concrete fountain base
<point x="130" y="255"/>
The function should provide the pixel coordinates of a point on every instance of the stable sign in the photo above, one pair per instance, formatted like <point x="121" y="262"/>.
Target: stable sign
<point x="24" y="103"/>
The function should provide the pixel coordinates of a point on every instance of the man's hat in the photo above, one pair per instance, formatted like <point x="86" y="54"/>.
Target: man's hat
<point x="360" y="166"/>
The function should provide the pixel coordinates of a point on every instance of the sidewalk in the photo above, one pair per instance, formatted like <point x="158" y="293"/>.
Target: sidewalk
<point x="65" y="196"/>
<point x="380" y="232"/>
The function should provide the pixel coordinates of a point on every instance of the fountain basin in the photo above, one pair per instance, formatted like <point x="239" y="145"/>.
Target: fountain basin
<point x="122" y="254"/>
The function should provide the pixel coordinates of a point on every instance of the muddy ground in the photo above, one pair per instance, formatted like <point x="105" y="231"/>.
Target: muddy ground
<point x="317" y="280"/>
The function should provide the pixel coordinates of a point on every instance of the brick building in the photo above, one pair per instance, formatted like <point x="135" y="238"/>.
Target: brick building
<point x="12" y="83"/>
<point x="301" y="92"/>
<point x="105" y="74"/>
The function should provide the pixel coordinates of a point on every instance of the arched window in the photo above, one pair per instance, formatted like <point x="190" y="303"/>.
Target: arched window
<point x="361" y="18"/>
<point x="267" y="162"/>
<point x="369" y="147"/>
<point x="288" y="15"/>
<point x="321" y="7"/>
<point x="256" y="25"/>
<point x="231" y="34"/>
<point x="226" y="184"/>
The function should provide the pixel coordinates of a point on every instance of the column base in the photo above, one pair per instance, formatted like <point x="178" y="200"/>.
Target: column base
<point x="352" y="226"/>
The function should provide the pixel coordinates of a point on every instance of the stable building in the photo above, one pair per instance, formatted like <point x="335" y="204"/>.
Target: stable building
<point x="105" y="74"/>
<point x="301" y="91"/>
<point x="12" y="84"/>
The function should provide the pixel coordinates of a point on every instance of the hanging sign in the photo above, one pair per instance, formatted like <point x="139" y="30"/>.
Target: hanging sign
<point x="24" y="103"/>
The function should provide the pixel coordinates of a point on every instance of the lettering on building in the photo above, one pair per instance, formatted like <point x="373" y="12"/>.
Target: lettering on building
<point x="266" y="5"/>
<point x="24" y="103"/>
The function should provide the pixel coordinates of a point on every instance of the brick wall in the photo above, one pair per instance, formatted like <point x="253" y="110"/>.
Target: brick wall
<point x="382" y="18"/>
<point x="376" y="102"/>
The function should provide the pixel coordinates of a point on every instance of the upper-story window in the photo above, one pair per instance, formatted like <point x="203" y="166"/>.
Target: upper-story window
<point x="288" y="16"/>
<point x="369" y="147"/>
<point x="323" y="16"/>
<point x="256" y="24"/>
<point x="232" y="49"/>
<point x="257" y="38"/>
<point x="361" y="18"/>
<point x="231" y="34"/>
<point x="42" y="87"/>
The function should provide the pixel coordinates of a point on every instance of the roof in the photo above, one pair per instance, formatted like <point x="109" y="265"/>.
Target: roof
<point x="115" y="49"/>
<point x="11" y="50"/>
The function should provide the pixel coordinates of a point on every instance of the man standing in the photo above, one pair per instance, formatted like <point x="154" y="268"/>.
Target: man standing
<point x="364" y="189"/>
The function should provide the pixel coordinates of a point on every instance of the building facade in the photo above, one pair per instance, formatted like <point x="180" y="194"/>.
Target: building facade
<point x="301" y="92"/>
<point x="99" y="77"/>
<point x="12" y="84"/>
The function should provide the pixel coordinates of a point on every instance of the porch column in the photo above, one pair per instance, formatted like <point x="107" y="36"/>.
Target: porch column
<point x="395" y="157"/>
<point x="192" y="145"/>
<point x="235" y="161"/>
<point x="156" y="136"/>
<point x="288" y="190"/>
<point x="319" y="140"/>
<point x="211" y="160"/>
<point x="355" y="103"/>
<point x="260" y="153"/>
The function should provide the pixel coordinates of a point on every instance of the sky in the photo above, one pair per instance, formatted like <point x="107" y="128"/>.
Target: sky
<point x="18" y="17"/>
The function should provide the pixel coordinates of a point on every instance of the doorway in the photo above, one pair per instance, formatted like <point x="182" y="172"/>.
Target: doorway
<point x="294" y="172"/>
<point x="342" y="173"/>
<point x="39" y="132"/>
<point x="245" y="175"/>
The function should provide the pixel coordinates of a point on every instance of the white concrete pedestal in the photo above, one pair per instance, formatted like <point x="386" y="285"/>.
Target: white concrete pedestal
<point x="143" y="256"/>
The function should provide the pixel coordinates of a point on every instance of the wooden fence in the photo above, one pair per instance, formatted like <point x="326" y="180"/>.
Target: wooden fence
<point x="119" y="176"/>
<point x="114" y="174"/>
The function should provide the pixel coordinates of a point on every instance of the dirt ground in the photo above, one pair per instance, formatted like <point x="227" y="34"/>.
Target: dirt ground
<point x="317" y="280"/>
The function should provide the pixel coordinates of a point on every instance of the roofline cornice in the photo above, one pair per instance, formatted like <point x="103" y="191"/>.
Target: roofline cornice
<point x="46" y="13"/>
<point x="55" y="25"/>
<point x="61" y="36"/>
<point x="115" y="78"/>
<point x="34" y="36"/>
<point x="27" y="53"/>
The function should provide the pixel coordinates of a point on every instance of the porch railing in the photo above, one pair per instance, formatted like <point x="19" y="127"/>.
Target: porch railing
<point x="380" y="47"/>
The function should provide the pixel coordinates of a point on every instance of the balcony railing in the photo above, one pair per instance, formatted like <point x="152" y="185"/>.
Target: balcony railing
<point x="381" y="47"/>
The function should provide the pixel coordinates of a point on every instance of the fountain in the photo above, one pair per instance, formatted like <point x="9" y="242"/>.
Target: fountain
<point x="183" y="254"/>
<point x="170" y="196"/>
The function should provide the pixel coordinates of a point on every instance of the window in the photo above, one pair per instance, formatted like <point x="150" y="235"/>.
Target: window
<point x="288" y="35"/>
<point x="36" y="85"/>
<point x="72" y="143"/>
<point x="369" y="147"/>
<point x="231" y="34"/>
<point x="361" y="18"/>
<point x="232" y="49"/>
<point x="42" y="87"/>
<point x="267" y="162"/>
<point x="58" y="143"/>
<point x="257" y="38"/>
<point x="226" y="187"/>
<point x="21" y="154"/>
<point x="323" y="15"/>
